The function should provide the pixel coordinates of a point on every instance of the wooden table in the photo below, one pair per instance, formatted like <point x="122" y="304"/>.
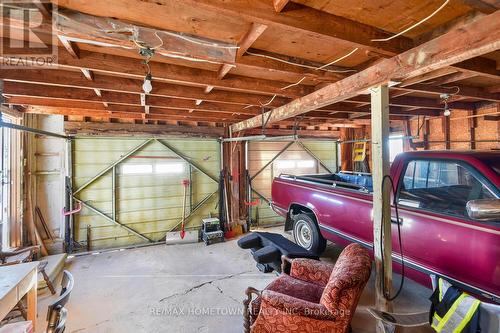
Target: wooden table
<point x="15" y="282"/>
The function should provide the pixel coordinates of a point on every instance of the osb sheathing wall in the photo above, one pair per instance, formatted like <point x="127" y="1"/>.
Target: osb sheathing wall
<point x="150" y="203"/>
<point x="466" y="132"/>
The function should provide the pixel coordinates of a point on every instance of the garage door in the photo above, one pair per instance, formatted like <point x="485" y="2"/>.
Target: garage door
<point x="268" y="159"/>
<point x="131" y="188"/>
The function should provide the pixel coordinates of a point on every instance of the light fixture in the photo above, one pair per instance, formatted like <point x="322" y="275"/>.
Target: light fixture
<point x="147" y="86"/>
<point x="447" y="110"/>
<point x="147" y="53"/>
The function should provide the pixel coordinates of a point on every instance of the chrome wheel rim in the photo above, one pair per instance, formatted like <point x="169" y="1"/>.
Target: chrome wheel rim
<point x="303" y="234"/>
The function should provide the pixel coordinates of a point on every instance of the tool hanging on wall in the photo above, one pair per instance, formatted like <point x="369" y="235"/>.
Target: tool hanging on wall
<point x="185" y="184"/>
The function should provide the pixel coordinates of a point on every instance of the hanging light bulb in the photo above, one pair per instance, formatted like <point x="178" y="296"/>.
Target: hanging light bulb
<point x="447" y="111"/>
<point x="147" y="86"/>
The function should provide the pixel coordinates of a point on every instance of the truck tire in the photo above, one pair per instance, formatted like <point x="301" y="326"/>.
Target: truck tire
<point x="306" y="233"/>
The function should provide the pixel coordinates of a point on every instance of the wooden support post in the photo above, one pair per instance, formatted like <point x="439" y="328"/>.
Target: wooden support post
<point x="381" y="197"/>
<point x="446" y="131"/>
<point x="472" y="129"/>
<point x="427" y="129"/>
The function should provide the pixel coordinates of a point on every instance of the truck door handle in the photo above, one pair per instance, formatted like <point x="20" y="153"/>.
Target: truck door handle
<point x="397" y="221"/>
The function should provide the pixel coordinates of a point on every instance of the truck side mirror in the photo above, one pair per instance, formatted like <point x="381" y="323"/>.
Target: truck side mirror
<point x="484" y="209"/>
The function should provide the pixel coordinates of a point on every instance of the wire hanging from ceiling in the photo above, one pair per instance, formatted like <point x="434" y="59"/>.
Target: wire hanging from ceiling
<point x="413" y="26"/>
<point x="302" y="65"/>
<point x="303" y="78"/>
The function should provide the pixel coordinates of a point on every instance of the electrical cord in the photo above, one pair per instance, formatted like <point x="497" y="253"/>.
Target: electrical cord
<point x="401" y="284"/>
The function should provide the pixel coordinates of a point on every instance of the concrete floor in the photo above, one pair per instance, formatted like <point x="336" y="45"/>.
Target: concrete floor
<point x="184" y="288"/>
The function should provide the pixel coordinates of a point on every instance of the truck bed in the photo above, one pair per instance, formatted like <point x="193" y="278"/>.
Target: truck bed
<point x="357" y="181"/>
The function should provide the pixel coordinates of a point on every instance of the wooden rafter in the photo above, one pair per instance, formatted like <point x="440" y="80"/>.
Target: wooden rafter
<point x="314" y="23"/>
<point x="116" y="129"/>
<point x="478" y="38"/>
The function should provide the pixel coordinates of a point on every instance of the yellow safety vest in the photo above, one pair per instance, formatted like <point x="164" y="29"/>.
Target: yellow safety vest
<point x="458" y="315"/>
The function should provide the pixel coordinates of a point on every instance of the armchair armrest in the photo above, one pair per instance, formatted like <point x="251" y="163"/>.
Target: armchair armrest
<point x="272" y="300"/>
<point x="310" y="270"/>
<point x="247" y="307"/>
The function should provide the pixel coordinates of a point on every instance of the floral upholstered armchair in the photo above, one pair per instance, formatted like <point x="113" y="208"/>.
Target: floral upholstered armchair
<point x="314" y="297"/>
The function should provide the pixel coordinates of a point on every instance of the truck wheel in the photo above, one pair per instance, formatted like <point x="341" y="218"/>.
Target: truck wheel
<point x="306" y="234"/>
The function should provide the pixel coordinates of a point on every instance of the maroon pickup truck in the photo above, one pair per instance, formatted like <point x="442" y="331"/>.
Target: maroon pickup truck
<point x="449" y="215"/>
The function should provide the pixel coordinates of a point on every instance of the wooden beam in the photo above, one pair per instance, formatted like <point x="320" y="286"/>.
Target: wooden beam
<point x="301" y="133"/>
<point x="208" y="89"/>
<point x="117" y="129"/>
<point x="304" y="21"/>
<point x="481" y="6"/>
<point x="87" y="95"/>
<point x="256" y="29"/>
<point x="71" y="47"/>
<point x="480" y="66"/>
<point x="453" y="78"/>
<point x="42" y="104"/>
<point x="90" y="29"/>
<point x="418" y="102"/>
<point x="88" y="74"/>
<point x="224" y="69"/>
<point x="456" y="90"/>
<point x="60" y="78"/>
<point x="163" y="72"/>
<point x="43" y="8"/>
<point x="381" y="198"/>
<point x="98" y="92"/>
<point x="428" y="76"/>
<point x="279" y="5"/>
<point x="126" y="113"/>
<point x="470" y="41"/>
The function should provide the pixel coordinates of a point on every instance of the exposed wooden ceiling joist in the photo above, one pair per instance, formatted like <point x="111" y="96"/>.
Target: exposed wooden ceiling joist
<point x="124" y="66"/>
<point x="117" y="129"/>
<point x="304" y="20"/>
<point x="475" y="39"/>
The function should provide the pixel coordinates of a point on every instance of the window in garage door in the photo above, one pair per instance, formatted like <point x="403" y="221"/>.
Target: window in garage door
<point x="298" y="159"/>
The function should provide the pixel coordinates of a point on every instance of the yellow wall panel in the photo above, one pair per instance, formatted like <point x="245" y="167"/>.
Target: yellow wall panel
<point x="149" y="203"/>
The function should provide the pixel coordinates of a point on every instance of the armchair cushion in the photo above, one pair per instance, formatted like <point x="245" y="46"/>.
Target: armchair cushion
<point x="293" y="306"/>
<point x="310" y="270"/>
<point x="287" y="285"/>
<point x="348" y="278"/>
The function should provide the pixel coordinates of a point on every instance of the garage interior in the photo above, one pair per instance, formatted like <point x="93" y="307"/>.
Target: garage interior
<point x="144" y="141"/>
